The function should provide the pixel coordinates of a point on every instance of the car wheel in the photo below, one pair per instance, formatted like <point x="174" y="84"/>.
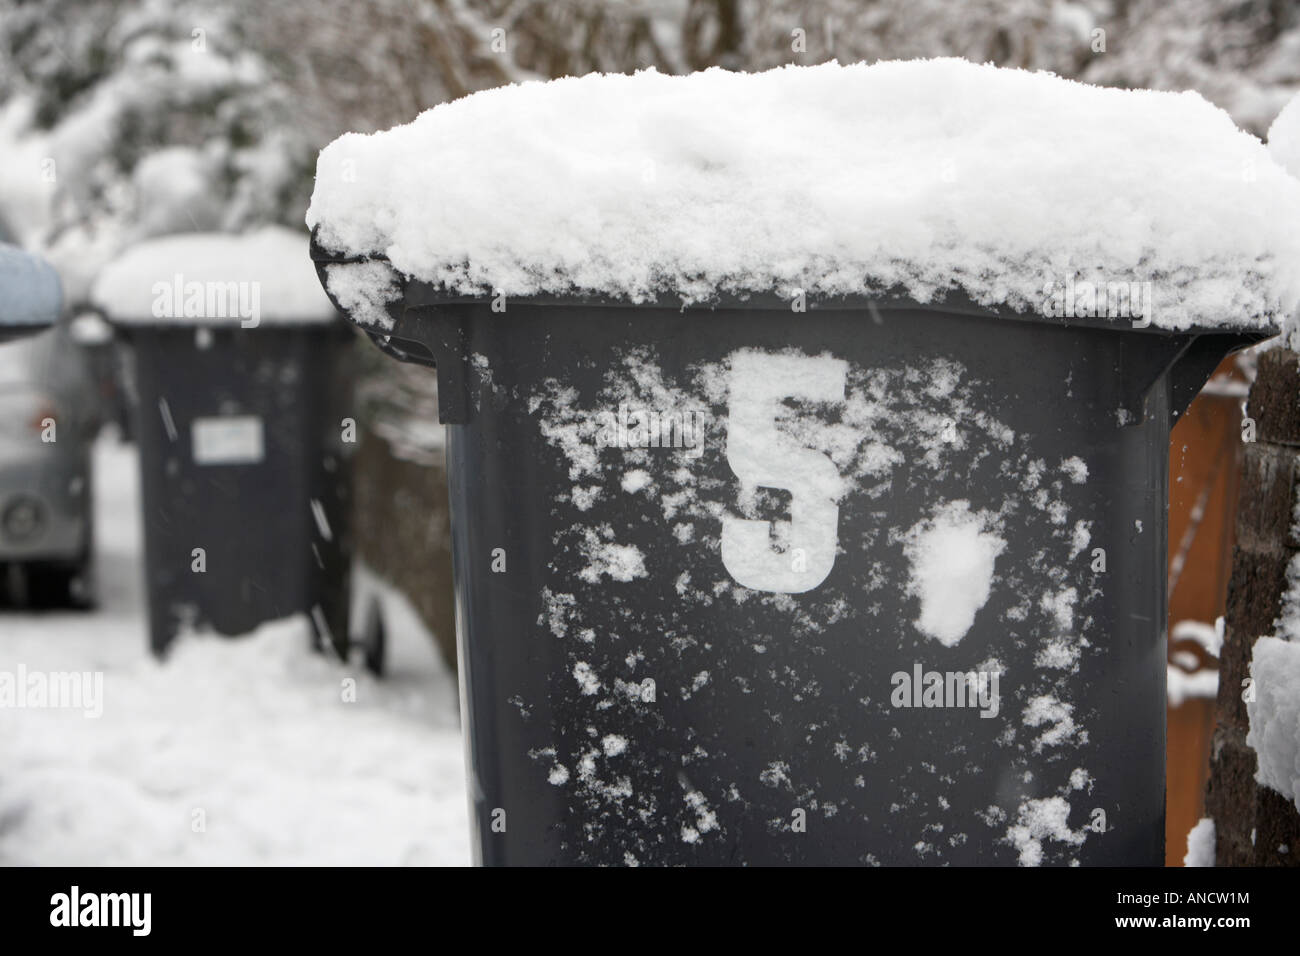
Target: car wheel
<point x="82" y="588"/>
<point x="50" y="586"/>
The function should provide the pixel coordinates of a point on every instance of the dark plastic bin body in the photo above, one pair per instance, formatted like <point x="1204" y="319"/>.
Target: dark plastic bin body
<point x="275" y="531"/>
<point x="769" y="733"/>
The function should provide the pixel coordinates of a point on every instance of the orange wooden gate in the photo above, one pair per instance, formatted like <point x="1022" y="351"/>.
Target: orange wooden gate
<point x="1204" y="455"/>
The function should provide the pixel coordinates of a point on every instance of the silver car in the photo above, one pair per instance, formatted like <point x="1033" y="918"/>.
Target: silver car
<point x="49" y="414"/>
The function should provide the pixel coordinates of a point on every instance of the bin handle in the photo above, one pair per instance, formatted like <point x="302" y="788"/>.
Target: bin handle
<point x="1197" y="361"/>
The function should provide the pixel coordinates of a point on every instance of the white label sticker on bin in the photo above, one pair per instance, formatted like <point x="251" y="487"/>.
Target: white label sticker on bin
<point x="230" y="440"/>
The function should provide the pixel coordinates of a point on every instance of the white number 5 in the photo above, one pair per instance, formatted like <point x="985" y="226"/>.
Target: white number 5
<point x="762" y="457"/>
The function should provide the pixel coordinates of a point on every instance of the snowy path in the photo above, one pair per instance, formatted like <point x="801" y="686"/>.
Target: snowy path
<point x="235" y="752"/>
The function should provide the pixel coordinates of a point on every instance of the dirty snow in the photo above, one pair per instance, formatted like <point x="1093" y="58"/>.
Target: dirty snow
<point x="923" y="175"/>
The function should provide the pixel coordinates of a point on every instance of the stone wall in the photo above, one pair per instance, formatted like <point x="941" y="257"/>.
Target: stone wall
<point x="1252" y="822"/>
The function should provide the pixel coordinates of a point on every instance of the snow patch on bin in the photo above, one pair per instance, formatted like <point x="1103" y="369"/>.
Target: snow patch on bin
<point x="364" y="290"/>
<point x="924" y="177"/>
<point x="952" y="556"/>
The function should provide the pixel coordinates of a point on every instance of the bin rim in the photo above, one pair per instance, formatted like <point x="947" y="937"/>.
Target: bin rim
<point x="420" y="294"/>
<point x="127" y="327"/>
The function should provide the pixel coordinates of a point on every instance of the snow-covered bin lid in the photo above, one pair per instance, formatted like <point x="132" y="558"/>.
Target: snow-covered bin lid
<point x="31" y="296"/>
<point x="916" y="178"/>
<point x="215" y="279"/>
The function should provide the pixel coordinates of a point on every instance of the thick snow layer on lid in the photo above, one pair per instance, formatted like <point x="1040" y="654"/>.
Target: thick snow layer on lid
<point x="30" y="293"/>
<point x="265" y="276"/>
<point x="925" y="175"/>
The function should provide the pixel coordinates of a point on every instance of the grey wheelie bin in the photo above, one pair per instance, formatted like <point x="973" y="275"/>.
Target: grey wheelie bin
<point x="843" y="570"/>
<point x="243" y="377"/>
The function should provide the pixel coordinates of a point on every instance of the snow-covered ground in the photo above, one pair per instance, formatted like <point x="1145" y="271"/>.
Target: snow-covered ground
<point x="236" y="751"/>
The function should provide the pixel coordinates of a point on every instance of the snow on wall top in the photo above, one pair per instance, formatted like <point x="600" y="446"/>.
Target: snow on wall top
<point x="30" y="293"/>
<point x="215" y="279"/>
<point x="926" y="175"/>
<point x="1274" y="714"/>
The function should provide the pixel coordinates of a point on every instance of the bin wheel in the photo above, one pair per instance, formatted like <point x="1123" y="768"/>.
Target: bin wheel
<point x="374" y="645"/>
